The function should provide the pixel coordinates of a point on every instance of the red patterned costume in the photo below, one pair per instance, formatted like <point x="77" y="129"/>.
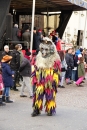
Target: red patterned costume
<point x="45" y="77"/>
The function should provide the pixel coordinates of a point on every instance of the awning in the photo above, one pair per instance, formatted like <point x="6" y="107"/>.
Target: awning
<point x="53" y="5"/>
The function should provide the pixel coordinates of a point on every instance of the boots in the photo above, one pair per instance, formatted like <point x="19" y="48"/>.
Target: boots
<point x="36" y="112"/>
<point x="8" y="100"/>
<point x="3" y="98"/>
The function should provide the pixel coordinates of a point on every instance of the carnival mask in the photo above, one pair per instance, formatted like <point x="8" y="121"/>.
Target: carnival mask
<point x="46" y="48"/>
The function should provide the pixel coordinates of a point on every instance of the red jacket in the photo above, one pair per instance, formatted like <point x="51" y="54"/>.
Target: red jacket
<point x="58" y="45"/>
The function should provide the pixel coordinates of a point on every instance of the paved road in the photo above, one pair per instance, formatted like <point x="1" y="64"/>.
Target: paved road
<point x="71" y="112"/>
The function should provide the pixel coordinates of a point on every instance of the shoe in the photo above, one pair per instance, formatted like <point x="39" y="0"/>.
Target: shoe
<point x="15" y="89"/>
<point x="49" y="114"/>
<point x="23" y="95"/>
<point x="34" y="114"/>
<point x="18" y="85"/>
<point x="61" y="86"/>
<point x="31" y="97"/>
<point x="68" y="83"/>
<point x="82" y="82"/>
<point x="3" y="98"/>
<point x="8" y="100"/>
<point x="81" y="85"/>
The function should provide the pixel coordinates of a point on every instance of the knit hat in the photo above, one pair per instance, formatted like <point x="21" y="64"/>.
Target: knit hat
<point x="6" y="58"/>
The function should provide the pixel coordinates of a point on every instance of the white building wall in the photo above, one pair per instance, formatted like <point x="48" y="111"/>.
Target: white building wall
<point x="76" y="22"/>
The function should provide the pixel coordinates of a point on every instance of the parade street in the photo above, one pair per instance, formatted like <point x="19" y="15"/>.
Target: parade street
<point x="71" y="112"/>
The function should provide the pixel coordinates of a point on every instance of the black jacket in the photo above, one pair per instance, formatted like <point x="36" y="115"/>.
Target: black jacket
<point x="6" y="53"/>
<point x="15" y="31"/>
<point x="69" y="60"/>
<point x="36" y="41"/>
<point x="25" y="68"/>
<point x="15" y="62"/>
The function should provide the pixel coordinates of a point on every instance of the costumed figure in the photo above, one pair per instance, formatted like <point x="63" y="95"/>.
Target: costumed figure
<point x="45" y="78"/>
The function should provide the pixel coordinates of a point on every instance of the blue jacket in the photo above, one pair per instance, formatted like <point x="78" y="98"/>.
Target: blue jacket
<point x="7" y="75"/>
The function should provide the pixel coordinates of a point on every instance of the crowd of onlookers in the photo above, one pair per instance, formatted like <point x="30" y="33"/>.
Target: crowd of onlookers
<point x="16" y="65"/>
<point x="73" y="66"/>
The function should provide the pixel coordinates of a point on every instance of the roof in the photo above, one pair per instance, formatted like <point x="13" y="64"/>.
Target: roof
<point x="53" y="5"/>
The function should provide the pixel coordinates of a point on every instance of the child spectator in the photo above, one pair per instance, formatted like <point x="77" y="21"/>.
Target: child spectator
<point x="81" y="72"/>
<point x="7" y="77"/>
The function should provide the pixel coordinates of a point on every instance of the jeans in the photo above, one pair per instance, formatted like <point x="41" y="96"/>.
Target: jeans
<point x="68" y="75"/>
<point x="6" y="91"/>
<point x="73" y="75"/>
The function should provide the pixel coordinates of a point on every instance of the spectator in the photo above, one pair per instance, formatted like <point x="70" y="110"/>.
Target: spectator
<point x="25" y="70"/>
<point x="70" y="65"/>
<point x="36" y="39"/>
<point x="7" y="78"/>
<point x="26" y="37"/>
<point x="75" y="69"/>
<point x="63" y="69"/>
<point x="16" y="34"/>
<point x="15" y="65"/>
<point x="6" y="51"/>
<point x="81" y="72"/>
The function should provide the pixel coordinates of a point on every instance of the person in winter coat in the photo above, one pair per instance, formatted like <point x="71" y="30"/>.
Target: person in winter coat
<point x="63" y="69"/>
<point x="81" y="71"/>
<point x="70" y="64"/>
<point x="26" y="37"/>
<point x="36" y="39"/>
<point x="75" y="69"/>
<point x="15" y="33"/>
<point x="15" y="65"/>
<point x="7" y="78"/>
<point x="6" y="51"/>
<point x="25" y="71"/>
